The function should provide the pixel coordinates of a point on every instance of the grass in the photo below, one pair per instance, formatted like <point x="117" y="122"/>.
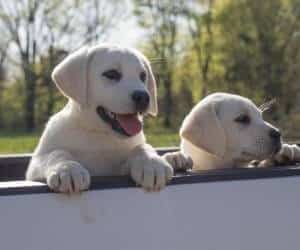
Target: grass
<point x="17" y="142"/>
<point x="170" y="139"/>
<point x="13" y="143"/>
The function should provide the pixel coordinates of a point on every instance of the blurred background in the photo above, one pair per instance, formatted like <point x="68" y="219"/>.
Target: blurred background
<point x="196" y="47"/>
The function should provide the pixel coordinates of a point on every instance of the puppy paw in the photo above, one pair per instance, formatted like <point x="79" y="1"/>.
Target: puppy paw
<point x="179" y="161"/>
<point x="69" y="177"/>
<point x="288" y="154"/>
<point x="266" y="163"/>
<point x="153" y="174"/>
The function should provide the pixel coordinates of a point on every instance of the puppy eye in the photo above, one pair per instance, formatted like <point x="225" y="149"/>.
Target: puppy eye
<point x="244" y="119"/>
<point x="112" y="75"/>
<point x="143" y="76"/>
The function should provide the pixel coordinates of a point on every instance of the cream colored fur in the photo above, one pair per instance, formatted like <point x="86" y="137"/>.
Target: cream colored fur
<point x="288" y="154"/>
<point x="213" y="139"/>
<point x="77" y="144"/>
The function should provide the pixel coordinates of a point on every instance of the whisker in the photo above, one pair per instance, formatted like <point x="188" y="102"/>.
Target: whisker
<point x="267" y="105"/>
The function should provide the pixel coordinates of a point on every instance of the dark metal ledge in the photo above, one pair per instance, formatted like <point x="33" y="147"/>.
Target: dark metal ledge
<point x="13" y="167"/>
<point x="115" y="182"/>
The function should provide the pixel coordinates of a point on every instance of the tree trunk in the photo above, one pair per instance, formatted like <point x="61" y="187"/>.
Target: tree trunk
<point x="168" y="102"/>
<point x="204" y="90"/>
<point x="1" y="111"/>
<point x="30" y="94"/>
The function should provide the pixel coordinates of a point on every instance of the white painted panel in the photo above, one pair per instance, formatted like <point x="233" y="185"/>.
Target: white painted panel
<point x="240" y="215"/>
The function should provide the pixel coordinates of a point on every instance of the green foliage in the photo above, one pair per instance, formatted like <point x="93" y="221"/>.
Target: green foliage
<point x="261" y="51"/>
<point x="247" y="47"/>
<point x="12" y="106"/>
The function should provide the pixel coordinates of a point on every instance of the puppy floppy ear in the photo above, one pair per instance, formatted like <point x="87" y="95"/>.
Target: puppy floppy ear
<point x="203" y="129"/>
<point x="151" y="86"/>
<point x="70" y="76"/>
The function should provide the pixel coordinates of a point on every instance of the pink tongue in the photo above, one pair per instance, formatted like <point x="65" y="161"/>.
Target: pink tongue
<point x="130" y="123"/>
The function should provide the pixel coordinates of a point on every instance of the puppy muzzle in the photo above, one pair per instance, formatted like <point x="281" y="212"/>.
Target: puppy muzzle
<point x="275" y="136"/>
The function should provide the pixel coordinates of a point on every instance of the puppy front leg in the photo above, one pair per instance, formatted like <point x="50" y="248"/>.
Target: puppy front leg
<point x="178" y="160"/>
<point x="60" y="171"/>
<point x="287" y="155"/>
<point x="148" y="169"/>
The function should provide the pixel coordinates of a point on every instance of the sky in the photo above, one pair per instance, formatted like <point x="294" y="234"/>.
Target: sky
<point x="128" y="33"/>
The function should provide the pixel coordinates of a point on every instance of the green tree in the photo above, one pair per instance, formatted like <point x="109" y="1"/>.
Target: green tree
<point x="200" y="20"/>
<point x="35" y="28"/>
<point x="161" y="21"/>
<point x="260" y="49"/>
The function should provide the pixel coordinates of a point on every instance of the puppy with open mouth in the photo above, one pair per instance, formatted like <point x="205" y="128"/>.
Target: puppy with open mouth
<point x="227" y="131"/>
<point x="100" y="130"/>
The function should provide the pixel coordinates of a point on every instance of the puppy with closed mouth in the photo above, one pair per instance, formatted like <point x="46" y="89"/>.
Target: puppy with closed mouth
<point x="226" y="131"/>
<point x="99" y="131"/>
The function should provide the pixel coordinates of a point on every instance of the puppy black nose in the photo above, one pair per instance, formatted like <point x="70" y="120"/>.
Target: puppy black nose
<point x="141" y="100"/>
<point x="275" y="134"/>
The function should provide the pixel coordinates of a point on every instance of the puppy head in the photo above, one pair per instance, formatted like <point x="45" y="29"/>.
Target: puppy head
<point x="230" y="126"/>
<point x="113" y="83"/>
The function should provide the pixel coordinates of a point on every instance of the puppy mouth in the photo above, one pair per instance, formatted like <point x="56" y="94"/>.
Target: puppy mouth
<point x="124" y="124"/>
<point x="253" y="156"/>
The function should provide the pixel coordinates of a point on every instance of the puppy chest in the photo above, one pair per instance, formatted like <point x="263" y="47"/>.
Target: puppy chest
<point x="107" y="161"/>
<point x="101" y="154"/>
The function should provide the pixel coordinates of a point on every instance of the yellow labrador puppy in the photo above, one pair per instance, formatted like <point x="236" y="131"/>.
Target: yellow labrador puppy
<point x="226" y="131"/>
<point x="99" y="131"/>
